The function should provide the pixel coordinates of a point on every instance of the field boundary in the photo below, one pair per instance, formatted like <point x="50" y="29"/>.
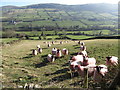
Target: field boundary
<point x="102" y="37"/>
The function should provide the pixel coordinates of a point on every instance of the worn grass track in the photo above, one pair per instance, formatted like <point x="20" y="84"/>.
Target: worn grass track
<point x="20" y="67"/>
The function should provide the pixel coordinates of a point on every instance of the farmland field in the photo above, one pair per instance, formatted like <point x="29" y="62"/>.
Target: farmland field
<point x="20" y="67"/>
<point x="27" y="26"/>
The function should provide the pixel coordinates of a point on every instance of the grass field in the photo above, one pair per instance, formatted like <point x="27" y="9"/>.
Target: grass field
<point x="5" y="40"/>
<point x="79" y="36"/>
<point x="20" y="67"/>
<point x="47" y="17"/>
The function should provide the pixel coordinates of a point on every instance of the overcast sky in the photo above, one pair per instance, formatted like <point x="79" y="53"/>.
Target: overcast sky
<point x="68" y="2"/>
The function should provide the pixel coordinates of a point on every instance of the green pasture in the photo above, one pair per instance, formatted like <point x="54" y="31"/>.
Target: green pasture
<point x="20" y="67"/>
<point x="6" y="40"/>
<point x="78" y="36"/>
<point x="49" y="18"/>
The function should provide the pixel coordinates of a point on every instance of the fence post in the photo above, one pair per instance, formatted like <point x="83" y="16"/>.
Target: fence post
<point x="86" y="78"/>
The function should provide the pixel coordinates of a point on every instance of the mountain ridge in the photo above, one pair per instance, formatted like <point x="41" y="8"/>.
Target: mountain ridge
<point x="98" y="7"/>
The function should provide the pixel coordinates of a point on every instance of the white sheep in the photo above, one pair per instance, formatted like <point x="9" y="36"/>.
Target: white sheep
<point x="49" y="45"/>
<point x="38" y="46"/>
<point x="78" y="58"/>
<point x="54" y="51"/>
<point x="58" y="54"/>
<point x="81" y="70"/>
<point x="50" y="58"/>
<point x="84" y="53"/>
<point x="89" y="61"/>
<point x="111" y="60"/>
<point x="39" y="50"/>
<point x="99" y="72"/>
<point x="34" y="52"/>
<point x="82" y="48"/>
<point x="64" y="51"/>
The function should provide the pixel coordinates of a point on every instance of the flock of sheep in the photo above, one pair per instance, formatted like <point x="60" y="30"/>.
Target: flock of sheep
<point x="81" y="61"/>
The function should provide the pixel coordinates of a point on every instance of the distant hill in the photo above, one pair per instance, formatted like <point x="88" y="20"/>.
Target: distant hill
<point x="10" y="7"/>
<point x="102" y="7"/>
<point x="51" y="17"/>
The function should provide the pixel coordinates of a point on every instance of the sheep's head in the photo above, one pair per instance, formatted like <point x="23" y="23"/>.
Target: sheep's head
<point x="101" y="70"/>
<point x="108" y="58"/>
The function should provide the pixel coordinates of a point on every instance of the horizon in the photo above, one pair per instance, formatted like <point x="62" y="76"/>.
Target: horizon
<point x="65" y="2"/>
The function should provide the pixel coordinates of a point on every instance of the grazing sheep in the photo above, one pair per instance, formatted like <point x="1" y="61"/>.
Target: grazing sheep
<point x="53" y="42"/>
<point x="54" y="51"/>
<point x="58" y="54"/>
<point x="45" y="42"/>
<point x="82" y="43"/>
<point x="82" y="48"/>
<point x="34" y="52"/>
<point x="78" y="42"/>
<point x="64" y="51"/>
<point x="38" y="46"/>
<point x="99" y="72"/>
<point x="39" y="50"/>
<point x="84" y="53"/>
<point x="89" y="61"/>
<point x="81" y="70"/>
<point x="61" y="42"/>
<point x="72" y="65"/>
<point x="78" y="58"/>
<point x="111" y="60"/>
<point x="49" y="45"/>
<point x="50" y="58"/>
<point x="66" y="41"/>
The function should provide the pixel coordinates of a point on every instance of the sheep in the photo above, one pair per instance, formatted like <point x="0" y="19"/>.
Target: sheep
<point x="78" y="42"/>
<point x="45" y="42"/>
<point x="39" y="50"/>
<point x="81" y="70"/>
<point x="111" y="60"/>
<point x="82" y="43"/>
<point x="78" y="58"/>
<point x="58" y="54"/>
<point x="72" y="65"/>
<point x="82" y="48"/>
<point x="50" y="58"/>
<point x="54" y="51"/>
<point x="99" y="72"/>
<point x="64" y="51"/>
<point x="66" y="41"/>
<point x="88" y="61"/>
<point x="34" y="52"/>
<point x="38" y="46"/>
<point x="53" y="42"/>
<point x="49" y="45"/>
<point x="61" y="42"/>
<point x="84" y="53"/>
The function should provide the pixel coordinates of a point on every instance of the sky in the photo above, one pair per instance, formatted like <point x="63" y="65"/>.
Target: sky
<point x="68" y="2"/>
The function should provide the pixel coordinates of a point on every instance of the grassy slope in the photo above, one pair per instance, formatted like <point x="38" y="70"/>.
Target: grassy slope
<point x="19" y="66"/>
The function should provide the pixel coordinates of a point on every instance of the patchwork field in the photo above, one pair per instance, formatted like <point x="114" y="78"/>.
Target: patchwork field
<point x="19" y="66"/>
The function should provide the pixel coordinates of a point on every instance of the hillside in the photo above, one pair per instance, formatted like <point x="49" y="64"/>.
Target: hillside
<point x="59" y="17"/>
<point x="102" y="7"/>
